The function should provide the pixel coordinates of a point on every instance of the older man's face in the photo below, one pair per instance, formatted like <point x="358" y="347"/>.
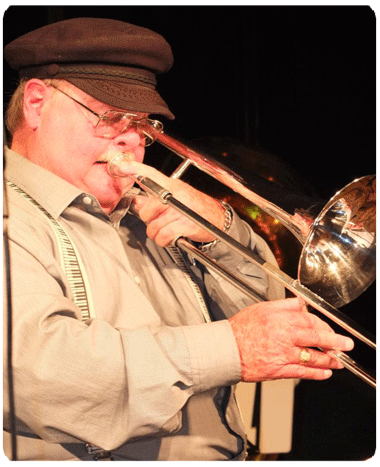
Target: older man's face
<point x="71" y="150"/>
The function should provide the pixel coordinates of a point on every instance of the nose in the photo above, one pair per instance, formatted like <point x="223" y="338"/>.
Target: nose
<point x="128" y="139"/>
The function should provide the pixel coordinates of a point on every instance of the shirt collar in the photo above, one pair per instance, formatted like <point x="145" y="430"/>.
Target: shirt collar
<point x="90" y="204"/>
<point x="52" y="192"/>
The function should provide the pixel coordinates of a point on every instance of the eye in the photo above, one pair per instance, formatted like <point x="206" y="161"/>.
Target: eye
<point x="117" y="118"/>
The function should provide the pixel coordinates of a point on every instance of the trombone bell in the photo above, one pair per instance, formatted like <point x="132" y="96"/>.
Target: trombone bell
<point x="338" y="260"/>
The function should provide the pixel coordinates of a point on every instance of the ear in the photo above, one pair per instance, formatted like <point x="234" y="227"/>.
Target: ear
<point x="36" y="94"/>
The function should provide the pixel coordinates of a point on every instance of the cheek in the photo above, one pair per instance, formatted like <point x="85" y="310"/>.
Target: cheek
<point x="79" y="162"/>
<point x="139" y="153"/>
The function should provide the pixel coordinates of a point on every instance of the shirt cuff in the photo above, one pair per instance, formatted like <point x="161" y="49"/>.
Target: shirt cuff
<point x="214" y="355"/>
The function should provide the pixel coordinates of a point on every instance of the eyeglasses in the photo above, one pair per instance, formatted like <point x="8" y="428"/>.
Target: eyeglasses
<point x="113" y="123"/>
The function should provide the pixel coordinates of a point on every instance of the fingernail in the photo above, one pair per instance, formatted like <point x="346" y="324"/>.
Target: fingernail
<point x="349" y="344"/>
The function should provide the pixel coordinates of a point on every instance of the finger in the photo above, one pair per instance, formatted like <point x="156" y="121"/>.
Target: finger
<point x="316" y="359"/>
<point x="165" y="217"/>
<point x="304" y="372"/>
<point x="163" y="228"/>
<point x="150" y="208"/>
<point x="165" y="237"/>
<point x="133" y="168"/>
<point x="302" y="304"/>
<point x="170" y="232"/>
<point x="139" y="201"/>
<point x="297" y="315"/>
<point x="285" y="304"/>
<point x="304" y="337"/>
<point x="309" y="320"/>
<point x="130" y="167"/>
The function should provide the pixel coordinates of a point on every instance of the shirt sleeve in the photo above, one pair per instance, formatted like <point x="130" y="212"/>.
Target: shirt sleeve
<point x="225" y="298"/>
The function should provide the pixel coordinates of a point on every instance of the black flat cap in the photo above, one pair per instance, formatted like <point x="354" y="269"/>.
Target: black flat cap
<point x="112" y="61"/>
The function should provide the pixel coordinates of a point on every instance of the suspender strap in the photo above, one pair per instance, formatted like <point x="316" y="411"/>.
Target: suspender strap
<point x="76" y="276"/>
<point x="176" y="254"/>
<point x="69" y="258"/>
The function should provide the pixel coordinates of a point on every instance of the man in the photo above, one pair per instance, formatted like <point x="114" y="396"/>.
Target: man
<point x="140" y="365"/>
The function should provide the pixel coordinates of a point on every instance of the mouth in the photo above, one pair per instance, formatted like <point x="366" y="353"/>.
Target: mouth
<point x="107" y="158"/>
<point x="101" y="166"/>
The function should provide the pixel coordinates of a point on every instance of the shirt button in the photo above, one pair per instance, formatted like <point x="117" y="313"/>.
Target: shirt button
<point x="138" y="280"/>
<point x="87" y="200"/>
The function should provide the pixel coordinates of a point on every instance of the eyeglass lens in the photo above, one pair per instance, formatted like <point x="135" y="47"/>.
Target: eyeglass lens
<point x="114" y="123"/>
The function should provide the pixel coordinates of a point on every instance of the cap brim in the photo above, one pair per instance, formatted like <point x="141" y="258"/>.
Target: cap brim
<point x="123" y="95"/>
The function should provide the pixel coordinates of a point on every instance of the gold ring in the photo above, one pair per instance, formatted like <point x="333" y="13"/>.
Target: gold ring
<point x="304" y="356"/>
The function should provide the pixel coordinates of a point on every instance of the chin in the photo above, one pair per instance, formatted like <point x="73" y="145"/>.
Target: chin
<point x="109" y="200"/>
<point x="108" y="206"/>
<point x="108" y="197"/>
<point x="107" y="190"/>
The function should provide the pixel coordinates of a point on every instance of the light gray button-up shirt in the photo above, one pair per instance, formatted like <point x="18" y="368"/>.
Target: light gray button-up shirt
<point x="146" y="376"/>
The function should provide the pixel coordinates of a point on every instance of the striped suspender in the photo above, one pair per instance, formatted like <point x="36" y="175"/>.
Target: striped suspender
<point x="70" y="260"/>
<point x="180" y="262"/>
<point x="76" y="276"/>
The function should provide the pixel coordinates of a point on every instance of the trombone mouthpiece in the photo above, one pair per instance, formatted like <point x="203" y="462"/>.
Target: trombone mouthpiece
<point x="114" y="165"/>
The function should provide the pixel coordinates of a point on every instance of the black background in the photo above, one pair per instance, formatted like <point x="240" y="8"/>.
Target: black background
<point x="300" y="83"/>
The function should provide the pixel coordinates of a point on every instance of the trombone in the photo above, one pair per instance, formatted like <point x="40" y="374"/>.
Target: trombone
<point x="338" y="258"/>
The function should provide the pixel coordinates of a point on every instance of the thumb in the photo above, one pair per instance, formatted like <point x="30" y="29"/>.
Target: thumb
<point x="288" y="304"/>
<point x="121" y="166"/>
